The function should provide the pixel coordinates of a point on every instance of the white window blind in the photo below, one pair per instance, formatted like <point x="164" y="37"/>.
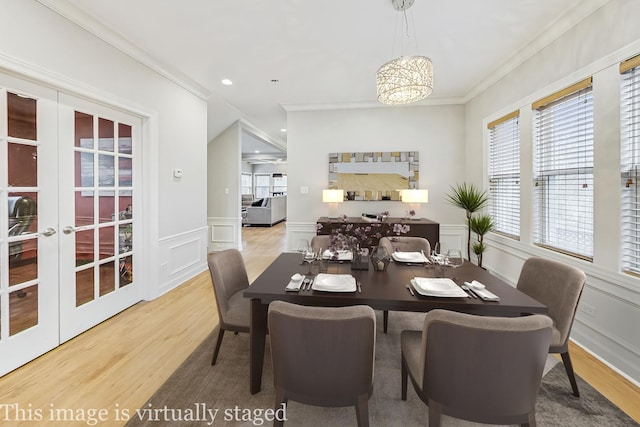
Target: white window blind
<point x="263" y="185"/>
<point x="630" y="164"/>
<point x="504" y="174"/>
<point x="563" y="171"/>
<point x="246" y="183"/>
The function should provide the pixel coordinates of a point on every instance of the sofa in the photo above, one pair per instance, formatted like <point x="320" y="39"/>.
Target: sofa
<point x="267" y="211"/>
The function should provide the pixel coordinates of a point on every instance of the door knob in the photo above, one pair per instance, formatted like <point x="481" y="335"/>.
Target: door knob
<point x="69" y="229"/>
<point x="48" y="232"/>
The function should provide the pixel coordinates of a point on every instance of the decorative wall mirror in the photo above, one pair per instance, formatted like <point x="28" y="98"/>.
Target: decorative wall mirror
<point x="373" y="176"/>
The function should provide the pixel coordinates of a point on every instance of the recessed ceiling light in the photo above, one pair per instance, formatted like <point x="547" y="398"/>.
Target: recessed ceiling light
<point x="256" y="151"/>
<point x="226" y="82"/>
<point x="283" y="130"/>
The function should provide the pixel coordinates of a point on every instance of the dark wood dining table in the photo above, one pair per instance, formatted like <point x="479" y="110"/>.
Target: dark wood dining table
<point x="382" y="290"/>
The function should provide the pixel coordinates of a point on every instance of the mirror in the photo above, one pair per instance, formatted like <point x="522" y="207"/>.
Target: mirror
<point x="371" y="176"/>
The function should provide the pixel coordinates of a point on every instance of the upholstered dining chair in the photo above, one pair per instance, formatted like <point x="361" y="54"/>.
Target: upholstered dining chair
<point x="323" y="356"/>
<point x="229" y="277"/>
<point x="477" y="368"/>
<point x="402" y="244"/>
<point x="320" y="242"/>
<point x="559" y="287"/>
<point x="405" y="244"/>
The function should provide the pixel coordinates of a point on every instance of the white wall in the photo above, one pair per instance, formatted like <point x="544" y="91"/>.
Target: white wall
<point x="223" y="193"/>
<point x="47" y="47"/>
<point x="609" y="313"/>
<point x="436" y="132"/>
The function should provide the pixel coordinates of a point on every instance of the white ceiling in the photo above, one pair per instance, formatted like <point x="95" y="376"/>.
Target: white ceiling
<point x="324" y="53"/>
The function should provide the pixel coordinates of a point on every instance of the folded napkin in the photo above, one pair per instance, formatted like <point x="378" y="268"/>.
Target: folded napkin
<point x="409" y="257"/>
<point x="438" y="287"/>
<point x="334" y="283"/>
<point x="482" y="291"/>
<point x="343" y="255"/>
<point x="294" y="285"/>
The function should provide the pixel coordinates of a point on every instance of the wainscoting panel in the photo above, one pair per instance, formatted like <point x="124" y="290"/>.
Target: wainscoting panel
<point x="453" y="237"/>
<point x="225" y="233"/>
<point x="181" y="257"/>
<point x="297" y="231"/>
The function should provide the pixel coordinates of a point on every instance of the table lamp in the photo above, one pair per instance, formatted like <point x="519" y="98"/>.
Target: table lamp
<point x="415" y="197"/>
<point x="333" y="197"/>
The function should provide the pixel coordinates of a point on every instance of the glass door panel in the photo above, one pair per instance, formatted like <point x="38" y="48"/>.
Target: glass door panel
<point x="28" y="222"/>
<point x="101" y="209"/>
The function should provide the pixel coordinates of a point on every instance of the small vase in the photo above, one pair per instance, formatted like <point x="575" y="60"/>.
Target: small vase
<point x="380" y="258"/>
<point x="360" y="259"/>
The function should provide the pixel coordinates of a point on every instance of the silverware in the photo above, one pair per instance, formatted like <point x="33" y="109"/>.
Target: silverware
<point x="310" y="284"/>
<point x="411" y="291"/>
<point x="359" y="288"/>
<point x="469" y="291"/>
<point x="304" y="284"/>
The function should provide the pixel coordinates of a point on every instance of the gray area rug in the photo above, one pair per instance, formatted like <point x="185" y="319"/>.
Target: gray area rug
<point x="199" y="394"/>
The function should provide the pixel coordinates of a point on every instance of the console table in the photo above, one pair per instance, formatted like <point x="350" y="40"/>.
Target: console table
<point x="417" y="227"/>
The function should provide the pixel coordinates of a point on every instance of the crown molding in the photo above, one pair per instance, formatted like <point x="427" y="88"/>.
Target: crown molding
<point x="371" y="104"/>
<point x="542" y="39"/>
<point x="251" y="128"/>
<point x="116" y="40"/>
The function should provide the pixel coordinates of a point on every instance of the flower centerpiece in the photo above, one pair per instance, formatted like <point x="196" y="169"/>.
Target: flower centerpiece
<point x="361" y="238"/>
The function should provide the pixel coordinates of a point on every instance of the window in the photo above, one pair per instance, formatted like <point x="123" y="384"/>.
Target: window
<point x="263" y="185"/>
<point x="279" y="184"/>
<point x="504" y="174"/>
<point x="563" y="171"/>
<point x="630" y="164"/>
<point x="246" y="183"/>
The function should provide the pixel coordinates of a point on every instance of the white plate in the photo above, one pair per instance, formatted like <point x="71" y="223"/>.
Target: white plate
<point x="408" y="257"/>
<point x="342" y="255"/>
<point x="334" y="283"/>
<point x="440" y="287"/>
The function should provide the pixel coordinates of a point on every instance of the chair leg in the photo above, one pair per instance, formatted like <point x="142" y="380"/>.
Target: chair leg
<point x="531" y="422"/>
<point x="281" y="401"/>
<point x="217" y="349"/>
<point x="362" y="410"/>
<point x="404" y="374"/>
<point x="566" y="360"/>
<point x="435" y="413"/>
<point x="385" y="320"/>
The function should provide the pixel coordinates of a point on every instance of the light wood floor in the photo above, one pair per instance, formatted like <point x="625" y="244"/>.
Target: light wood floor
<point x="120" y="363"/>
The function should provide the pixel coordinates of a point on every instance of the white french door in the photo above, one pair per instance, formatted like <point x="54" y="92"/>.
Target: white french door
<point x="28" y="222"/>
<point x="68" y="209"/>
<point x="98" y="205"/>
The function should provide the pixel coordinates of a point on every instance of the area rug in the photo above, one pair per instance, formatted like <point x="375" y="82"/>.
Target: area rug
<point x="198" y="394"/>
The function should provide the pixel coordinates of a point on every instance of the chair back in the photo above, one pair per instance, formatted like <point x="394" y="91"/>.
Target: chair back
<point x="229" y="276"/>
<point x="484" y="369"/>
<point x="322" y="356"/>
<point x="320" y="242"/>
<point x="556" y="285"/>
<point x="405" y="244"/>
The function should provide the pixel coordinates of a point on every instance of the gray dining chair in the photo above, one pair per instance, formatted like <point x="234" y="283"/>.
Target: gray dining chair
<point x="323" y="356"/>
<point x="477" y="368"/>
<point x="559" y="287"/>
<point x="229" y="277"/>
<point x="320" y="242"/>
<point x="402" y="244"/>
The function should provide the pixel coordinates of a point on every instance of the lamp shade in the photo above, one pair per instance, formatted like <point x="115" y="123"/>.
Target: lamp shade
<point x="332" y="196"/>
<point x="415" y="196"/>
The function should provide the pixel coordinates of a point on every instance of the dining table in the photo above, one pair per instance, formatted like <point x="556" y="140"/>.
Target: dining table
<point x="387" y="290"/>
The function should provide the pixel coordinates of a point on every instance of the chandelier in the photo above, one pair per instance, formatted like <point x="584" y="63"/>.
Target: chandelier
<point x="406" y="79"/>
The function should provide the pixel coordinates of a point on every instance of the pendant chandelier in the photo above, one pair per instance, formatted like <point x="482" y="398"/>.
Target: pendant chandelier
<point x="405" y="79"/>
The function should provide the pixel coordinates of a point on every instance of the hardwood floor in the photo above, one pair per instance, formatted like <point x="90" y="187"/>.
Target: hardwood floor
<point x="119" y="364"/>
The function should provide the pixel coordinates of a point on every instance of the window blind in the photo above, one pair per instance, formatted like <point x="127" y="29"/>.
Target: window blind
<point x="563" y="171"/>
<point x="630" y="165"/>
<point x="504" y="174"/>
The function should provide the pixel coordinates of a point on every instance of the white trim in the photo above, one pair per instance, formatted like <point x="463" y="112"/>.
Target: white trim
<point x="225" y="226"/>
<point x="108" y="35"/>
<point x="604" y="362"/>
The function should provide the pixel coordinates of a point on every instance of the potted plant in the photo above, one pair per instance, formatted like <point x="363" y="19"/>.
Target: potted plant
<point x="481" y="225"/>
<point x="471" y="199"/>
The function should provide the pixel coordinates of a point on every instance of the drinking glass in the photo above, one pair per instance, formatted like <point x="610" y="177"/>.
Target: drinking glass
<point x="455" y="260"/>
<point x="302" y="246"/>
<point x="309" y="257"/>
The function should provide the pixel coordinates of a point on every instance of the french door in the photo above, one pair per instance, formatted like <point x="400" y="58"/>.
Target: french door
<point x="97" y="211"/>
<point x="68" y="209"/>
